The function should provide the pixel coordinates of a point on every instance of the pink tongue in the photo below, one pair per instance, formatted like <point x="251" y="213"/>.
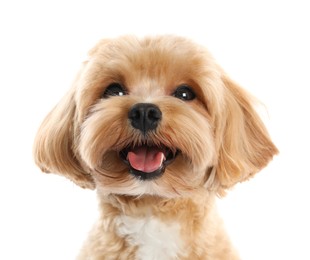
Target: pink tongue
<point x="146" y="159"/>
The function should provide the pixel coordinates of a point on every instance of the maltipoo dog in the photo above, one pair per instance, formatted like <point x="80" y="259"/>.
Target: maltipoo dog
<point x="159" y="130"/>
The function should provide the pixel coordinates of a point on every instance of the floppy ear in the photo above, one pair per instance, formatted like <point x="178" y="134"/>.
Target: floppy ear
<point x="54" y="143"/>
<point x="243" y="144"/>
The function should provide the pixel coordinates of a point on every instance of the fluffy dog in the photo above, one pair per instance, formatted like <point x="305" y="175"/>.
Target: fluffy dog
<point x="159" y="129"/>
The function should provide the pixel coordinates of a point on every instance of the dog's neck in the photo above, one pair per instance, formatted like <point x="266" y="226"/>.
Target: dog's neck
<point x="141" y="206"/>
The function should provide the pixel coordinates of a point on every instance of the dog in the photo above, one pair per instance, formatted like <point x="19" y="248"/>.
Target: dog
<point x="158" y="128"/>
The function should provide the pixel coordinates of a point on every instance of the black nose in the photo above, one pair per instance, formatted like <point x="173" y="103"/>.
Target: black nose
<point x="144" y="116"/>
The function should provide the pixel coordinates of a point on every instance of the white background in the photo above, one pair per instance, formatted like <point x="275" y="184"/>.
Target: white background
<point x="263" y="45"/>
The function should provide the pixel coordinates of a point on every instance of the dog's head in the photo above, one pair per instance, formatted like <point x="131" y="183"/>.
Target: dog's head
<point x="153" y="116"/>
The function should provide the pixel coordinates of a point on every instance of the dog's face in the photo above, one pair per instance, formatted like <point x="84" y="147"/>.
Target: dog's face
<point x="154" y="116"/>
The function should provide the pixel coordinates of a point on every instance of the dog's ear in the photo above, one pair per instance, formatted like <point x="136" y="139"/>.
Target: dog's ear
<point x="54" y="143"/>
<point x="243" y="143"/>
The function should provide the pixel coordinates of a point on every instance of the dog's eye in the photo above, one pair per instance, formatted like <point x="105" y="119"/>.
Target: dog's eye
<point x="114" y="89"/>
<point x="185" y="93"/>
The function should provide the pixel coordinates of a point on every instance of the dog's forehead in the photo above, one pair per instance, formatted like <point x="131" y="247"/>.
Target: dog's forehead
<point x="151" y="65"/>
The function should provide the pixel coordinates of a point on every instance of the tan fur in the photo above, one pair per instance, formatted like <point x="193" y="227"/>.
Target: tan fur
<point x="220" y="137"/>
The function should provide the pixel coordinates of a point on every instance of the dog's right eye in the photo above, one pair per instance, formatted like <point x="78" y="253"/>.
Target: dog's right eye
<point x="114" y="89"/>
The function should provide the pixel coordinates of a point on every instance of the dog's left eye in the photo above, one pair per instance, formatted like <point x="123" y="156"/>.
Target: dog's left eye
<point x="114" y="89"/>
<point x="185" y="93"/>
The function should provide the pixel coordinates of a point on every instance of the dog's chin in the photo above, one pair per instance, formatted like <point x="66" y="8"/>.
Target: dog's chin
<point x="147" y="162"/>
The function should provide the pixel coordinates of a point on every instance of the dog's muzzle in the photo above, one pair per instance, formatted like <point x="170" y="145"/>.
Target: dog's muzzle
<point x="146" y="161"/>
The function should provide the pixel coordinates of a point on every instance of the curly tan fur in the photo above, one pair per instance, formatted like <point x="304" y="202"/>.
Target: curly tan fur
<point x="219" y="137"/>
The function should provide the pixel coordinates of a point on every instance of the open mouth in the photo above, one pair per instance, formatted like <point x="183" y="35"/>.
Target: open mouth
<point x="147" y="162"/>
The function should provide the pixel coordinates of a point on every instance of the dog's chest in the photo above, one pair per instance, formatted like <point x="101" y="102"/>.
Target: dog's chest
<point x="154" y="238"/>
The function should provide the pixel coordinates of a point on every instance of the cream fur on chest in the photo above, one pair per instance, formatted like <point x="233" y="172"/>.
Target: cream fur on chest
<point x="154" y="238"/>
